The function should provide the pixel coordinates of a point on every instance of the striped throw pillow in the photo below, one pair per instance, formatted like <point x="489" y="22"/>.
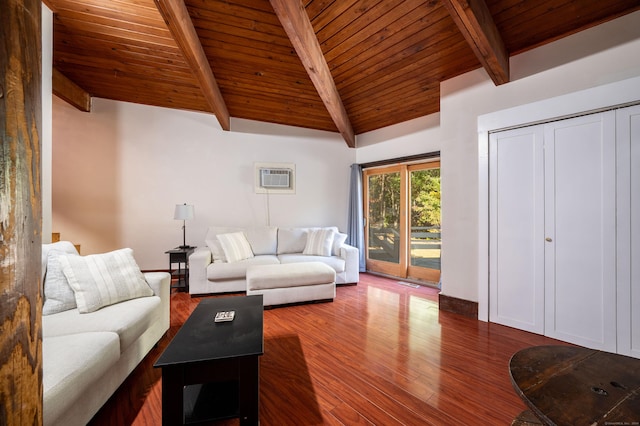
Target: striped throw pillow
<point x="235" y="246"/>
<point x="100" y="280"/>
<point x="319" y="242"/>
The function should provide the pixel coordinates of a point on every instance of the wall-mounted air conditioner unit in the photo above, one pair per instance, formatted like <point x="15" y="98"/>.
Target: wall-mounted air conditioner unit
<point x="275" y="178"/>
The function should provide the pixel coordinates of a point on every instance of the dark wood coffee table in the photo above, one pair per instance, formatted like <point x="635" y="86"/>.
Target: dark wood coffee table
<point x="210" y="370"/>
<point x="567" y="385"/>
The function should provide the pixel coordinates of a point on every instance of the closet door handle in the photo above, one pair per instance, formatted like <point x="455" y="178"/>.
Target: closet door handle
<point x="548" y="239"/>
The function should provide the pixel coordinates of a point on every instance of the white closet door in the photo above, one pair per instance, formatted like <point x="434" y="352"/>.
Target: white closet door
<point x="516" y="251"/>
<point x="628" y="153"/>
<point x="580" y="230"/>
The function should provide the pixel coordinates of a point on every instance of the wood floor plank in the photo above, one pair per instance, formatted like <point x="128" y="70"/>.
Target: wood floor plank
<point x="395" y="399"/>
<point x="389" y="398"/>
<point x="344" y="414"/>
<point x="381" y="353"/>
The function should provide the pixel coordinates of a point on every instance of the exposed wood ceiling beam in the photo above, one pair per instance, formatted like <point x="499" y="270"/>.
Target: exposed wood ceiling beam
<point x="294" y="19"/>
<point x="70" y="92"/>
<point x="179" y="22"/>
<point x="476" y="24"/>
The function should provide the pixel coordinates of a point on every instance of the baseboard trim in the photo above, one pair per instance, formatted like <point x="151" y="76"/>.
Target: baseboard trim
<point x="463" y="307"/>
<point x="155" y="270"/>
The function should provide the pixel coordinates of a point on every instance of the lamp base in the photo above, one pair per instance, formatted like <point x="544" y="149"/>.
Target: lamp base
<point x="184" y="247"/>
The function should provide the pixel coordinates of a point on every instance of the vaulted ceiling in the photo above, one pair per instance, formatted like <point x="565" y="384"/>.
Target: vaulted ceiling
<point x="347" y="66"/>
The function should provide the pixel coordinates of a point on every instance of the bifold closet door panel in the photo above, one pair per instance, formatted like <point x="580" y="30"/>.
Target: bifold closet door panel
<point x="628" y="204"/>
<point x="516" y="252"/>
<point x="580" y="230"/>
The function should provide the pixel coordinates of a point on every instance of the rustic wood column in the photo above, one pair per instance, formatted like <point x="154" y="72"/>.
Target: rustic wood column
<point x="20" y="213"/>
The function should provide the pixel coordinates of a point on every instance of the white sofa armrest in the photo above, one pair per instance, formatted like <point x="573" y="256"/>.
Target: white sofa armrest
<point x="160" y="283"/>
<point x="351" y="258"/>
<point x="201" y="257"/>
<point x="198" y="262"/>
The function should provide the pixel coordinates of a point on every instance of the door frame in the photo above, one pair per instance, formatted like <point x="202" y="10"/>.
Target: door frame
<point x="403" y="268"/>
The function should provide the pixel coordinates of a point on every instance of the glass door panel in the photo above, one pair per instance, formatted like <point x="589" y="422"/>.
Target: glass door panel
<point x="385" y="225"/>
<point x="384" y="217"/>
<point x="424" y="222"/>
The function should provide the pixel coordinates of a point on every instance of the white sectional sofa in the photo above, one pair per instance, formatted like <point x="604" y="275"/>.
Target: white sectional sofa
<point x="86" y="356"/>
<point x="210" y="270"/>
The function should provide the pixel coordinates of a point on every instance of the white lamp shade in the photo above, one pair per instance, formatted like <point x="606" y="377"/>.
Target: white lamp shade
<point x="183" y="212"/>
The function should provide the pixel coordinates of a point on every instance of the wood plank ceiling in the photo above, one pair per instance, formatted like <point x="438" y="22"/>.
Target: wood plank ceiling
<point x="348" y="66"/>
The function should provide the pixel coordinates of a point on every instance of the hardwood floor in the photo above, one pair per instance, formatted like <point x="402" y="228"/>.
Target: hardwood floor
<point x="381" y="353"/>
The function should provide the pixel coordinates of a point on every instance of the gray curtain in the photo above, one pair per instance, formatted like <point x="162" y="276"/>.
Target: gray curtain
<point x="355" y="224"/>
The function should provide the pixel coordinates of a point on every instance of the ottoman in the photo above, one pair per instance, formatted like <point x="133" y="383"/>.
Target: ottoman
<point x="287" y="283"/>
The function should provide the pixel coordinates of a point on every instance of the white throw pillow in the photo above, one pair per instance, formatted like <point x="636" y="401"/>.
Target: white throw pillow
<point x="235" y="246"/>
<point x="64" y="246"/>
<point x="216" y="250"/>
<point x="100" y="280"/>
<point x="58" y="295"/>
<point x="338" y="240"/>
<point x="319" y="242"/>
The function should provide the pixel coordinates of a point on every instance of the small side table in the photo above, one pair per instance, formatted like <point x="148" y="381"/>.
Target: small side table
<point x="181" y="257"/>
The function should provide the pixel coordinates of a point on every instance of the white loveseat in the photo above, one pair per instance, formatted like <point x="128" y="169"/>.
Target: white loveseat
<point x="86" y="356"/>
<point x="211" y="272"/>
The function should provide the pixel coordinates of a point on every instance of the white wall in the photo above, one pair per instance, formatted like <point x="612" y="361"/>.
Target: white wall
<point x="418" y="136"/>
<point x="120" y="170"/>
<point x="604" y="54"/>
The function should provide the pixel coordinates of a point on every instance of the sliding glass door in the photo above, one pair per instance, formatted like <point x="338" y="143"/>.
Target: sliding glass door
<point x="402" y="217"/>
<point x="385" y="219"/>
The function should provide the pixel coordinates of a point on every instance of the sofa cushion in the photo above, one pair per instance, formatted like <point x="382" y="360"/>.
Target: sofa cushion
<point x="319" y="242"/>
<point x="99" y="280"/>
<point x="263" y="239"/>
<point x="235" y="246"/>
<point x="129" y="320"/>
<point x="216" y="250"/>
<point x="64" y="246"/>
<point x="289" y="275"/>
<point x="58" y="295"/>
<point x="212" y="241"/>
<point x="71" y="364"/>
<point x="338" y="241"/>
<point x="337" y="263"/>
<point x="236" y="270"/>
<point x="292" y="240"/>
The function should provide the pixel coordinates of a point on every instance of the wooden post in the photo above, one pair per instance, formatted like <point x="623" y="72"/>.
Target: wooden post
<point x="20" y="213"/>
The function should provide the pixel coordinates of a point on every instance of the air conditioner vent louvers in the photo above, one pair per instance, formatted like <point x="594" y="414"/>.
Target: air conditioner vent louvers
<point x="275" y="178"/>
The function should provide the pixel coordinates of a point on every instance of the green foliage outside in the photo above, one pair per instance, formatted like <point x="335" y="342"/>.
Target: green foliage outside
<point x="384" y="199"/>
<point x="425" y="203"/>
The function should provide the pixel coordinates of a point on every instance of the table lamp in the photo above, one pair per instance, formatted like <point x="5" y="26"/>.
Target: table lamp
<point x="183" y="212"/>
